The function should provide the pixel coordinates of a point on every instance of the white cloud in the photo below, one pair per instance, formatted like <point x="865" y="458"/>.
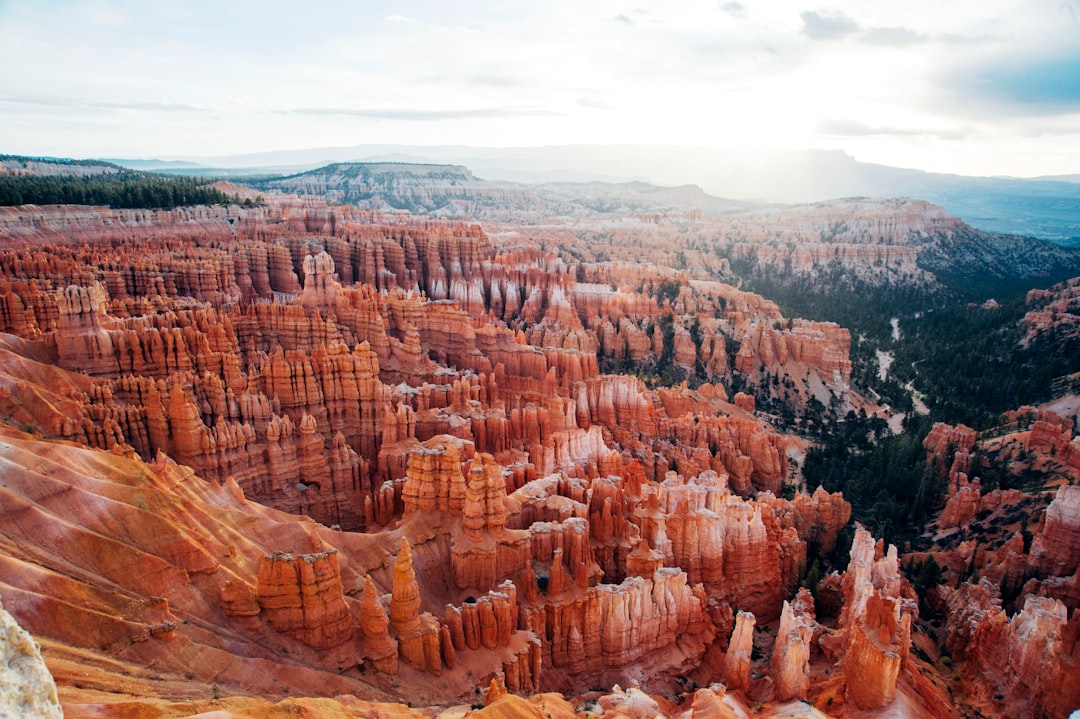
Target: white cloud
<point x="828" y="25"/>
<point x="734" y="9"/>
<point x="891" y="82"/>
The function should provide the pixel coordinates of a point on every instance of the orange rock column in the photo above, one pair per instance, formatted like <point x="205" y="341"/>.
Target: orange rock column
<point x="382" y="651"/>
<point x="740" y="649"/>
<point x="405" y="609"/>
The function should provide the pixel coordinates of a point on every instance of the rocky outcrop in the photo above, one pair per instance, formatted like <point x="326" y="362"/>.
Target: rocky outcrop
<point x="302" y="596"/>
<point x="636" y="618"/>
<point x="1028" y="659"/>
<point x="486" y="551"/>
<point x="791" y="653"/>
<point x="238" y="599"/>
<point x="736" y="548"/>
<point x="631" y="703"/>
<point x="27" y="688"/>
<point x="1055" y="309"/>
<point x="318" y="282"/>
<point x="744" y="402"/>
<point x="418" y="634"/>
<point x="949" y="448"/>
<point x="380" y="649"/>
<point x="818" y="517"/>
<point x="877" y="622"/>
<point x="740" y="648"/>
<point x="433" y="479"/>
<point x="820" y="346"/>
<point x="656" y="625"/>
<point x="962" y="505"/>
<point x="83" y="341"/>
<point x="877" y="649"/>
<point x="491" y="622"/>
<point x="501" y="705"/>
<point x="1056" y="548"/>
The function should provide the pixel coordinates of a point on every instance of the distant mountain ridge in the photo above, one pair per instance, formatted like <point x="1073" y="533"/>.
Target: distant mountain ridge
<point x="156" y="165"/>
<point x="22" y="166"/>
<point x="423" y="188"/>
<point x="636" y="196"/>
<point x="1047" y="207"/>
<point x="453" y="190"/>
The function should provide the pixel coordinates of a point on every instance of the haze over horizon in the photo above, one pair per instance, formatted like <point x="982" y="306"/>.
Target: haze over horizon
<point x="992" y="89"/>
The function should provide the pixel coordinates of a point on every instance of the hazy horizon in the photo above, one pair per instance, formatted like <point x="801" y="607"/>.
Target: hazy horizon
<point x="987" y="90"/>
<point x="296" y="156"/>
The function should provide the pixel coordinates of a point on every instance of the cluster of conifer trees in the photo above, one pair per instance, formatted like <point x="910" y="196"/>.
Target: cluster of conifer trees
<point x="116" y="189"/>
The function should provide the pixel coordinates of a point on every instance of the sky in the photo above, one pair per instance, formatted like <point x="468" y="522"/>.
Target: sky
<point x="982" y="88"/>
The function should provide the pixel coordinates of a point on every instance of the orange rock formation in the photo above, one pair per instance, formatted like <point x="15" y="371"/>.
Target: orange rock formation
<point x="383" y="447"/>
<point x="302" y="596"/>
